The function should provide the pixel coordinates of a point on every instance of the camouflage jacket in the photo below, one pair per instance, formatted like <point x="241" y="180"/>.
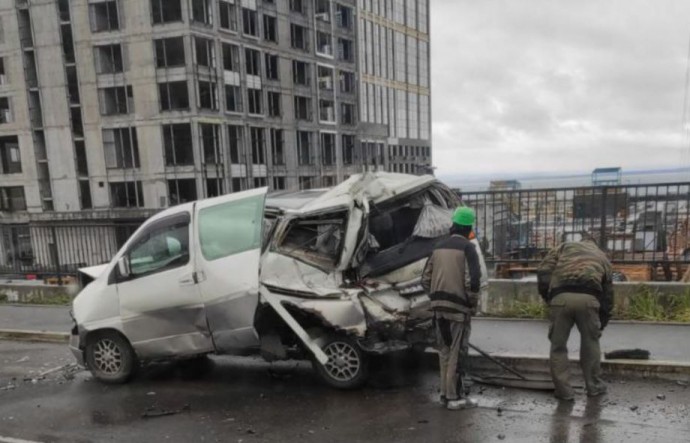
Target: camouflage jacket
<point x="578" y="267"/>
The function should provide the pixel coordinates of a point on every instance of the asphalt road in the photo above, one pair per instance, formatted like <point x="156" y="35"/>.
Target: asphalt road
<point x="245" y="400"/>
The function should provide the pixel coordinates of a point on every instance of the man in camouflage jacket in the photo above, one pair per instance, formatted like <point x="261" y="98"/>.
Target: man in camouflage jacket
<point x="575" y="281"/>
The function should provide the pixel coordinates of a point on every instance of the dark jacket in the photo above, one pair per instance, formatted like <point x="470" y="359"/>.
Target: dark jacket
<point x="579" y="267"/>
<point x="451" y="276"/>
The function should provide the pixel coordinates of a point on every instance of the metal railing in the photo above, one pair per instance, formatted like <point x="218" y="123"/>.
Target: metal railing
<point x="633" y="223"/>
<point x="59" y="249"/>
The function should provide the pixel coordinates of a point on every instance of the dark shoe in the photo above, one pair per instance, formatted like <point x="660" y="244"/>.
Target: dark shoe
<point x="565" y="397"/>
<point x="598" y="392"/>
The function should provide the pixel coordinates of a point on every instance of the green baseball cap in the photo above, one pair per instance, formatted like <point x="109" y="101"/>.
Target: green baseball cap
<point x="464" y="216"/>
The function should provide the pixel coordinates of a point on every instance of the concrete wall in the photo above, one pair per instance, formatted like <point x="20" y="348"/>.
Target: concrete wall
<point x="504" y="293"/>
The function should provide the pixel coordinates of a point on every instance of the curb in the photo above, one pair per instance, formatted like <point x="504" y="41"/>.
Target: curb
<point x="34" y="336"/>
<point x="612" y="322"/>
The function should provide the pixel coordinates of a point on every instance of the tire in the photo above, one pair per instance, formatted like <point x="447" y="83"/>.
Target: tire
<point x="110" y="358"/>
<point x="347" y="366"/>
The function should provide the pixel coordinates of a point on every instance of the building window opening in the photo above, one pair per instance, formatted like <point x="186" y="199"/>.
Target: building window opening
<point x="166" y="11"/>
<point x="208" y="96"/>
<point x="12" y="198"/>
<point x="117" y="100"/>
<point x="228" y="16"/>
<point x="278" y="183"/>
<point x="254" y="101"/>
<point x="272" y="71"/>
<point x="169" y="52"/>
<point x="301" y="74"/>
<point x="274" y="103"/>
<point x="104" y="16"/>
<point x="181" y="191"/>
<point x="348" y="148"/>
<point x="325" y="75"/>
<point x="344" y="17"/>
<point x="270" y="28"/>
<point x="121" y="148"/>
<point x="253" y="61"/>
<point x="126" y="195"/>
<point x="257" y="138"/>
<point x="328" y="149"/>
<point x="277" y="147"/>
<point x="108" y="59"/>
<point x="214" y="187"/>
<point x="202" y="12"/>
<point x="299" y="37"/>
<point x="324" y="43"/>
<point x="5" y="110"/>
<point x="233" y="98"/>
<point x="304" y="149"/>
<point x="173" y="95"/>
<point x="250" y="25"/>
<point x="236" y="145"/>
<point x="10" y="159"/>
<point x="210" y="142"/>
<point x="326" y="111"/>
<point x="303" y="108"/>
<point x="177" y="142"/>
<point x="205" y="52"/>
<point x="231" y="57"/>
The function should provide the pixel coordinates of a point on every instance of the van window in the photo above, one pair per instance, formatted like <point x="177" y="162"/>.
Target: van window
<point x="165" y="247"/>
<point x="231" y="228"/>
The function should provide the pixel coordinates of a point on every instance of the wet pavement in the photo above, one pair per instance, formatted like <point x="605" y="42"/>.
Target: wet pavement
<point x="244" y="399"/>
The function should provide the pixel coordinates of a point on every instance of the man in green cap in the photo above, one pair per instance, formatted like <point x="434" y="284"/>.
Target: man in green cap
<point x="575" y="279"/>
<point x="452" y="279"/>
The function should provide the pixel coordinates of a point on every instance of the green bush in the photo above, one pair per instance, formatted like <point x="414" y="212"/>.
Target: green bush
<point x="645" y="304"/>
<point x="681" y="308"/>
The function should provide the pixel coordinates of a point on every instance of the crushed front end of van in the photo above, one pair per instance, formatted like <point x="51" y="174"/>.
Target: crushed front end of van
<point x="345" y="264"/>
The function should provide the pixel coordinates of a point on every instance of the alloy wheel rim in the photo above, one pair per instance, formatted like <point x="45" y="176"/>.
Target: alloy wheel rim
<point x="343" y="361"/>
<point x="107" y="356"/>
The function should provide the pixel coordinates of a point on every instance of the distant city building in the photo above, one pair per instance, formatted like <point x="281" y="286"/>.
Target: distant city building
<point x="607" y="177"/>
<point x="114" y="109"/>
<point x="504" y="185"/>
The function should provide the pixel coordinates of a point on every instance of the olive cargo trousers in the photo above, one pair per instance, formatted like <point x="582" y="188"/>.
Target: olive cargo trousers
<point x="582" y="310"/>
<point x="452" y="339"/>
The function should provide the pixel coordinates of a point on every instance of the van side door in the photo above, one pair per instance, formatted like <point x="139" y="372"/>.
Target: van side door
<point x="160" y="306"/>
<point x="228" y="230"/>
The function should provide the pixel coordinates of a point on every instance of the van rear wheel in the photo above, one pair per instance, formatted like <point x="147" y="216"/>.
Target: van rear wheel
<point x="110" y="358"/>
<point x="347" y="366"/>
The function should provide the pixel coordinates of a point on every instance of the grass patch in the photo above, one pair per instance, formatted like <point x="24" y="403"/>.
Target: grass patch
<point x="681" y="308"/>
<point x="521" y="309"/>
<point x="645" y="305"/>
<point x="54" y="300"/>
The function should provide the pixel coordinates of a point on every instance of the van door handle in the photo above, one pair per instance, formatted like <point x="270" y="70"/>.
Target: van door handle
<point x="187" y="280"/>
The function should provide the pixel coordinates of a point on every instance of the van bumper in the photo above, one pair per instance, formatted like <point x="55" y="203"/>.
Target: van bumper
<point x="74" y="346"/>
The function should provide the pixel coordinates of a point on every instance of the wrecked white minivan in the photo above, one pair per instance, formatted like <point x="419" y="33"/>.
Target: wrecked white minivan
<point x="330" y="275"/>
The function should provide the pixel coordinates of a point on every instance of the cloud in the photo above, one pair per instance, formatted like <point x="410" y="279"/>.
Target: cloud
<point x="558" y="86"/>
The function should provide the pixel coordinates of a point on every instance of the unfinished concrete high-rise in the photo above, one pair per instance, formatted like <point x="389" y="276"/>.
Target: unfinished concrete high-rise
<point x="110" y="104"/>
<point x="113" y="109"/>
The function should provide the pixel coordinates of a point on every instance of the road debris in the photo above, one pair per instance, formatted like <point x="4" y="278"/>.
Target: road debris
<point x="682" y="383"/>
<point x="634" y="408"/>
<point x="661" y="397"/>
<point x="9" y="387"/>
<point x="154" y="412"/>
<point x="501" y="437"/>
<point x="627" y="354"/>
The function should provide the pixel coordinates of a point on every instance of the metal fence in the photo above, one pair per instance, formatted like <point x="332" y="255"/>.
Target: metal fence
<point x="59" y="249"/>
<point x="634" y="223"/>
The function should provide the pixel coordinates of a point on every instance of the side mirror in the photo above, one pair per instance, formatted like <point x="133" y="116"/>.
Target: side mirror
<point x="123" y="266"/>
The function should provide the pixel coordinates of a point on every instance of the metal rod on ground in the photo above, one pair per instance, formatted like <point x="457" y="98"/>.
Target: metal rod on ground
<point x="498" y="362"/>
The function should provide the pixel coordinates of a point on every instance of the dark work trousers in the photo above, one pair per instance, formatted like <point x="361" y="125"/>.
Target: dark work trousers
<point x="452" y="340"/>
<point x="565" y="310"/>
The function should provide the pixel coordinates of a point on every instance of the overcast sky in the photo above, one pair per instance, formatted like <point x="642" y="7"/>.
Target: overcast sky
<point x="558" y="86"/>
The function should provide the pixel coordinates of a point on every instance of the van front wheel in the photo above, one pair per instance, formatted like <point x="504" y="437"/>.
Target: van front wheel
<point x="110" y="358"/>
<point x="347" y="366"/>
